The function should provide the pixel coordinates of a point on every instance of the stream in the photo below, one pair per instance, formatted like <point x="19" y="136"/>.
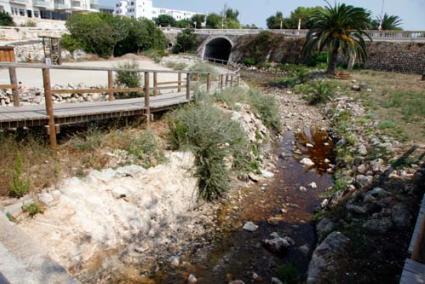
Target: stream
<point x="275" y="205"/>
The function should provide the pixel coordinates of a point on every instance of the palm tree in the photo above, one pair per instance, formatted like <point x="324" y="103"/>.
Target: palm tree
<point x="338" y="28"/>
<point x="387" y="22"/>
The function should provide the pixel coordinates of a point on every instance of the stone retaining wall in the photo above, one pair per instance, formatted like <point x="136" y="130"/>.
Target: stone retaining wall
<point x="396" y="56"/>
<point x="405" y="57"/>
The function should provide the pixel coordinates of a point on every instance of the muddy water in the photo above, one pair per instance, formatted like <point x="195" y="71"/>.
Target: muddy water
<point x="276" y="206"/>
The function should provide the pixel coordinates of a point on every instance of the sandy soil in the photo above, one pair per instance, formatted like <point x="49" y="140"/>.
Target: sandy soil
<point x="31" y="78"/>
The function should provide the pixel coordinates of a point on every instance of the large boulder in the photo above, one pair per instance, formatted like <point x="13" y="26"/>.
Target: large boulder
<point x="326" y="258"/>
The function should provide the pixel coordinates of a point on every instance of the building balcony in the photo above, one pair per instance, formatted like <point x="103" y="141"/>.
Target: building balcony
<point x="61" y="6"/>
<point x="41" y="3"/>
<point x="19" y="1"/>
<point x="75" y="4"/>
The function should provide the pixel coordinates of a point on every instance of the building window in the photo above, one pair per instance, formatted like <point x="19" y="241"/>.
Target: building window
<point x="36" y="14"/>
<point x="21" y="12"/>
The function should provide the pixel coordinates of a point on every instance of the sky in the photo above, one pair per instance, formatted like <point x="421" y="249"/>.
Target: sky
<point x="412" y="12"/>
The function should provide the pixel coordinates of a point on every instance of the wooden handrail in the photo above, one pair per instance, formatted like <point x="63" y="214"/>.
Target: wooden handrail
<point x="94" y="68"/>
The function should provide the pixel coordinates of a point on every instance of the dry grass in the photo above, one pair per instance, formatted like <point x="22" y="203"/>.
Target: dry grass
<point x="82" y="151"/>
<point x="397" y="100"/>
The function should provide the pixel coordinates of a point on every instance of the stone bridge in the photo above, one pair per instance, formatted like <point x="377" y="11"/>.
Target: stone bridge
<point x="217" y="44"/>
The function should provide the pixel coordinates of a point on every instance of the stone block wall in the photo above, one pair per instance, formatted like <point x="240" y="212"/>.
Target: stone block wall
<point x="404" y="57"/>
<point x="397" y="57"/>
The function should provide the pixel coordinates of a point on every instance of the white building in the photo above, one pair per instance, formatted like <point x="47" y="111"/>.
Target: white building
<point x="145" y="9"/>
<point x="47" y="9"/>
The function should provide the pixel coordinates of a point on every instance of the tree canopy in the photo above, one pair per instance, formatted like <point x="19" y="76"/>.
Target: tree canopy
<point x="165" y="21"/>
<point x="387" y="22"/>
<point x="276" y="21"/>
<point x="106" y="35"/>
<point x="6" y="19"/>
<point x="338" y="28"/>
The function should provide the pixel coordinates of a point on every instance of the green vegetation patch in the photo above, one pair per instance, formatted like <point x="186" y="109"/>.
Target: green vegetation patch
<point x="266" y="106"/>
<point x="218" y="142"/>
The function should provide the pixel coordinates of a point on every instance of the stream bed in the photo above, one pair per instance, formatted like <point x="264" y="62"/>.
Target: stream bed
<point x="275" y="205"/>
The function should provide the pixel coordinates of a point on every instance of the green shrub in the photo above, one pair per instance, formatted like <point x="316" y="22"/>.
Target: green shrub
<point x="155" y="54"/>
<point x="288" y="273"/>
<point x="6" y="19"/>
<point x="90" y="141"/>
<point x="317" y="92"/>
<point x="70" y="43"/>
<point x="33" y="209"/>
<point x="204" y="68"/>
<point x="213" y="137"/>
<point x="249" y="61"/>
<point x="296" y="75"/>
<point x="107" y="35"/>
<point x="128" y="79"/>
<point x="146" y="148"/>
<point x="19" y="185"/>
<point x="165" y="20"/>
<point x="178" y="66"/>
<point x="186" y="41"/>
<point x="267" y="107"/>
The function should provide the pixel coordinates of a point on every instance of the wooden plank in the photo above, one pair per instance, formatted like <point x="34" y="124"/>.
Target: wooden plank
<point x="168" y="83"/>
<point x="7" y="86"/>
<point x="413" y="272"/>
<point x="97" y="90"/>
<point x="419" y="222"/>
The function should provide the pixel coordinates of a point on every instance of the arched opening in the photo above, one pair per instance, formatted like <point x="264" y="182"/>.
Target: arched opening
<point x="218" y="50"/>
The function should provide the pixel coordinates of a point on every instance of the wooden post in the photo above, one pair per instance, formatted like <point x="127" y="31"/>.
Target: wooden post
<point x="221" y="82"/>
<point x="49" y="107"/>
<point x="231" y="80"/>
<point x="423" y="76"/>
<point x="417" y="249"/>
<point x="155" y="83"/>
<point x="208" y="82"/>
<point x="188" y="86"/>
<point x="14" y="83"/>
<point x="179" y="88"/>
<point x="227" y="80"/>
<point x="110" y="86"/>
<point x="238" y="78"/>
<point x="147" y="99"/>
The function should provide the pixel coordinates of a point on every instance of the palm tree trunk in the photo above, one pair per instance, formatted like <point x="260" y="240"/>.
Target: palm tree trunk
<point x="333" y="60"/>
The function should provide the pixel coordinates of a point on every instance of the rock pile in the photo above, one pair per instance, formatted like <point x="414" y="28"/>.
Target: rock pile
<point x="35" y="96"/>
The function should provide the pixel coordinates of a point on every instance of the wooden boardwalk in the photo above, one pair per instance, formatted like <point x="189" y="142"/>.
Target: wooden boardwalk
<point x="53" y="115"/>
<point x="71" y="113"/>
<point x="414" y="268"/>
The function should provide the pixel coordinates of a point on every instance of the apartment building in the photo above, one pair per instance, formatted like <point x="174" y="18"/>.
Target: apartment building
<point x="47" y="9"/>
<point x="146" y="9"/>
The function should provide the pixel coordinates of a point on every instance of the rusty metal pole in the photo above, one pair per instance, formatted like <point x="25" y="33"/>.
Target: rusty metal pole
<point x="155" y="83"/>
<point x="208" y="82"/>
<point x="49" y="107"/>
<point x="179" y="80"/>
<point x="110" y="86"/>
<point x="147" y="99"/>
<point x="188" y="86"/>
<point x="14" y="83"/>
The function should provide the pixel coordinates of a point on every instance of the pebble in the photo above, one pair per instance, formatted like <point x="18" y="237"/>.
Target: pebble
<point x="307" y="162"/>
<point x="313" y="185"/>
<point x="250" y="227"/>
<point x="192" y="279"/>
<point x="303" y="189"/>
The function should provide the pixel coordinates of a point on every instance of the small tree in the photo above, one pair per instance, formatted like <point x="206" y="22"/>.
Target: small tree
<point x="184" y="24"/>
<point x="387" y="22"/>
<point x="128" y="78"/>
<point x="338" y="28"/>
<point x="6" y="19"/>
<point x="214" y="21"/>
<point x="186" y="41"/>
<point x="70" y="43"/>
<point x="199" y="20"/>
<point x="276" y="22"/>
<point x="165" y="21"/>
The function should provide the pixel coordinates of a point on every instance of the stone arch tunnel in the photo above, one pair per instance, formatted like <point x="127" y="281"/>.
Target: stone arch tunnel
<point x="219" y="49"/>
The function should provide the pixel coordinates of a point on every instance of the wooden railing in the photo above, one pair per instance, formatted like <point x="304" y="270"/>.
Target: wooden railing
<point x="182" y="83"/>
